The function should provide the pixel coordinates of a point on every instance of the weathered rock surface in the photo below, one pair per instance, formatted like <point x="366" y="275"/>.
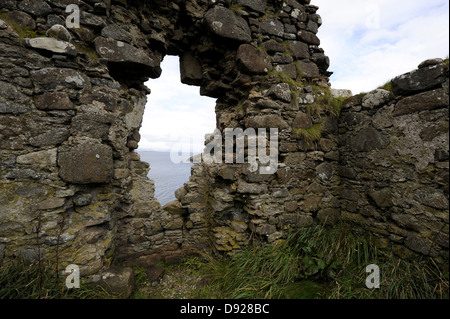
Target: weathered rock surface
<point x="227" y="24"/>
<point x="86" y="163"/>
<point x="72" y="103"/>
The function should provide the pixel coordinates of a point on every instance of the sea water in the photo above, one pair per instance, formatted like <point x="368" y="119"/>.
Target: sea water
<point x="168" y="176"/>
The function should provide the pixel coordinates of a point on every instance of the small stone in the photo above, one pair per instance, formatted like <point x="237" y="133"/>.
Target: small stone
<point x="42" y="158"/>
<point x="383" y="197"/>
<point x="59" y="32"/>
<point x="51" y="203"/>
<point x="251" y="188"/>
<point x="53" y="101"/>
<point x="174" y="208"/>
<point x="52" y="45"/>
<point x="117" y="280"/>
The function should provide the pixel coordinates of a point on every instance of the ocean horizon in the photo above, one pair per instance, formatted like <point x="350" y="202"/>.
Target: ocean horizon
<point x="167" y="175"/>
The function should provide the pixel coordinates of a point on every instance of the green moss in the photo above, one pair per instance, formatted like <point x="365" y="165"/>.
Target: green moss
<point x="21" y="32"/>
<point x="310" y="134"/>
<point x="88" y="52"/>
<point x="388" y="87"/>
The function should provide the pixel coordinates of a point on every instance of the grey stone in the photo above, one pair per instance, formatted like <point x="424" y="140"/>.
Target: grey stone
<point x="255" y="5"/>
<point x="368" y="139"/>
<point x="50" y="78"/>
<point x="92" y="20"/>
<point x="273" y="46"/>
<point x="383" y="197"/>
<point x="266" y="121"/>
<point x="51" y="203"/>
<point x="253" y="61"/>
<point x="3" y="25"/>
<point x="59" y="32"/>
<point x="419" y="80"/>
<point x="280" y="91"/>
<point x="42" y="158"/>
<point x="35" y="7"/>
<point x="227" y="24"/>
<point x="251" y="188"/>
<point x="9" y="107"/>
<point x="117" y="280"/>
<point x="190" y="69"/>
<point x="429" y="100"/>
<point x="300" y="50"/>
<point x="52" y="137"/>
<point x="377" y="98"/>
<point x="308" y="69"/>
<point x="325" y="171"/>
<point x="430" y="196"/>
<point x="117" y="33"/>
<point x="272" y="27"/>
<point x="174" y="208"/>
<point x="420" y="245"/>
<point x="52" y="45"/>
<point x="86" y="163"/>
<point x="322" y="61"/>
<point x="82" y="199"/>
<point x="308" y="37"/>
<point x="128" y="59"/>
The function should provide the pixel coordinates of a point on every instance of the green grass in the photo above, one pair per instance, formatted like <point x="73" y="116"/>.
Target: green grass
<point x="320" y="262"/>
<point x="310" y="134"/>
<point x="19" y="280"/>
<point x="388" y="87"/>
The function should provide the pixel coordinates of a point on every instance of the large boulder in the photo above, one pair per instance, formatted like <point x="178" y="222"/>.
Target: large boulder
<point x="227" y="24"/>
<point x="424" y="78"/>
<point x="252" y="60"/>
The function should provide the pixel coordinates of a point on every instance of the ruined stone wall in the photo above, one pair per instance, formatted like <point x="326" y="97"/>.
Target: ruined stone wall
<point x="71" y="105"/>
<point x="394" y="162"/>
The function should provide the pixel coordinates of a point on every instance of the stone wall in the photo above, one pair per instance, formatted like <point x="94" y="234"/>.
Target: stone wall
<point x="72" y="101"/>
<point x="394" y="162"/>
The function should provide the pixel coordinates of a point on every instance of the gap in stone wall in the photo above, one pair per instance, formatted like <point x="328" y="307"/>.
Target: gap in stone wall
<point x="175" y="122"/>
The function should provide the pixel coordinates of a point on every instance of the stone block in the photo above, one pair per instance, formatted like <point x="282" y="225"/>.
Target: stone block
<point x="429" y="100"/>
<point x="126" y="58"/>
<point x="86" y="163"/>
<point x="41" y="158"/>
<point x="190" y="69"/>
<point x="53" y="101"/>
<point x="419" y="80"/>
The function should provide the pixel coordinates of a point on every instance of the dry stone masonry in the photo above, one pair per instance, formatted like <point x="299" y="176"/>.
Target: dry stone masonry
<point x="71" y="106"/>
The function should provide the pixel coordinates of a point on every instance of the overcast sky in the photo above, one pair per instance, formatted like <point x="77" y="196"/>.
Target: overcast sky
<point x="368" y="42"/>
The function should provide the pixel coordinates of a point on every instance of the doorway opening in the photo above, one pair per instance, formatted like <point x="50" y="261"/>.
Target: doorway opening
<point x="174" y="125"/>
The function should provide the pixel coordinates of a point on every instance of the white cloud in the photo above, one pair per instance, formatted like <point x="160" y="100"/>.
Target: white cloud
<point x="175" y="113"/>
<point x="371" y="42"/>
